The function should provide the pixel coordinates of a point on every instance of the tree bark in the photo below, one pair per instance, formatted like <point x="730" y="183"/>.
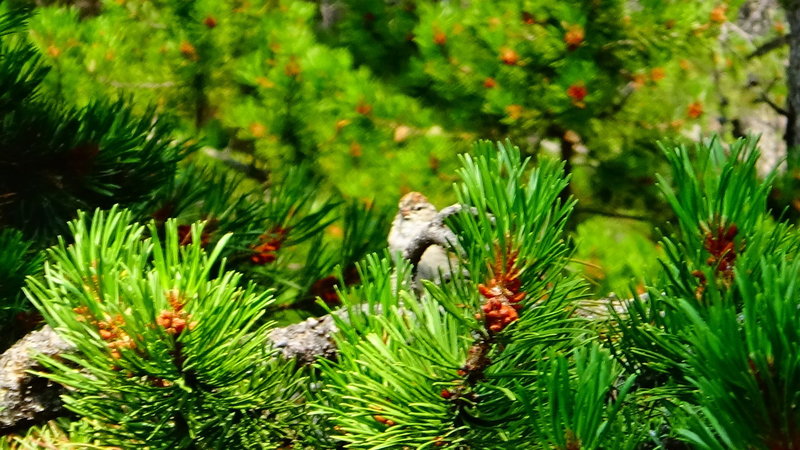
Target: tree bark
<point x="792" y="136"/>
<point x="27" y="399"/>
<point x="24" y="397"/>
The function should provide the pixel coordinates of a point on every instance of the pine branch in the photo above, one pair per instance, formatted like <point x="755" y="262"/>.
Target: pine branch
<point x="26" y="398"/>
<point x="55" y="159"/>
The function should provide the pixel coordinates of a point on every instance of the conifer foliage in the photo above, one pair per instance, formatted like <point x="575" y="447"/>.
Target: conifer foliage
<point x="466" y="364"/>
<point x="716" y="341"/>
<point x="182" y="349"/>
<point x="173" y="348"/>
<point x="57" y="159"/>
<point x="168" y="276"/>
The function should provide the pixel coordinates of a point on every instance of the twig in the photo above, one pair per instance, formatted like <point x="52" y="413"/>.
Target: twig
<point x="763" y="98"/>
<point x="600" y="212"/>
<point x="249" y="170"/>
<point x="772" y="44"/>
<point x="144" y="85"/>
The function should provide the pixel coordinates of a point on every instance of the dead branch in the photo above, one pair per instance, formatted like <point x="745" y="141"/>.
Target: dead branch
<point x="27" y="399"/>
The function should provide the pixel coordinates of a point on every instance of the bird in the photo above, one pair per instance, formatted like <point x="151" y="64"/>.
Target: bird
<point x="414" y="215"/>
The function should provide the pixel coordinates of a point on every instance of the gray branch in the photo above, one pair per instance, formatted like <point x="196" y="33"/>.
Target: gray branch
<point x="307" y="340"/>
<point x="436" y="233"/>
<point x="248" y="170"/>
<point x="432" y="235"/>
<point x="27" y="399"/>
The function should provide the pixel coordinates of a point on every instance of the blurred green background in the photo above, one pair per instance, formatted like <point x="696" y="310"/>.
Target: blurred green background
<point x="379" y="97"/>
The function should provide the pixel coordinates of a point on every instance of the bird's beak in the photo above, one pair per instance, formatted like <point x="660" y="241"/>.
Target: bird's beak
<point x="405" y="212"/>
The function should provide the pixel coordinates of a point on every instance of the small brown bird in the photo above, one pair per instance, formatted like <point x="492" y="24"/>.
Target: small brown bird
<point x="414" y="215"/>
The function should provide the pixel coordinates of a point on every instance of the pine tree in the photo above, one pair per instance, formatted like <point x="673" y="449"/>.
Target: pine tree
<point x="494" y="358"/>
<point x="167" y="276"/>
<point x="713" y="340"/>
<point x="394" y="90"/>
<point x="577" y="74"/>
<point x="466" y="363"/>
<point x="57" y="159"/>
<point x="61" y="158"/>
<point x="182" y="349"/>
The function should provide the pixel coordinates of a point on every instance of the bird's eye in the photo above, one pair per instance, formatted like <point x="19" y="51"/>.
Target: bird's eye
<point x="417" y="208"/>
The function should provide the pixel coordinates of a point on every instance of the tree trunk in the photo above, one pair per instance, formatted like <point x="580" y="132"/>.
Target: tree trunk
<point x="792" y="136"/>
<point x="567" y="152"/>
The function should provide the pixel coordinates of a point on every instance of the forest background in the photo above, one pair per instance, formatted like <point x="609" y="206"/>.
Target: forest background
<point x="377" y="98"/>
